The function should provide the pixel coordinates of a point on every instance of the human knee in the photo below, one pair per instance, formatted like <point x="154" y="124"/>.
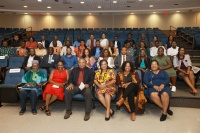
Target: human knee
<point x="153" y="95"/>
<point x="165" y="94"/>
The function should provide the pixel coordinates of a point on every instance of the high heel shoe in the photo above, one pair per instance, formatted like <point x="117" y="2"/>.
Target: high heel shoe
<point x="133" y="116"/>
<point x="113" y="112"/>
<point x="193" y="93"/>
<point x="107" y="118"/>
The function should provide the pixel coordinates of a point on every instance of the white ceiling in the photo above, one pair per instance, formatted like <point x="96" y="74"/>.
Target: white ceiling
<point x="90" y="6"/>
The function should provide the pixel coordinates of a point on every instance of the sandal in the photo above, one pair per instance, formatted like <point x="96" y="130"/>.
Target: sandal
<point x="42" y="108"/>
<point x="48" y="113"/>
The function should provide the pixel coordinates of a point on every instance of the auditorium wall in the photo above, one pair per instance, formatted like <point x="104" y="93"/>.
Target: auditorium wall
<point x="101" y="21"/>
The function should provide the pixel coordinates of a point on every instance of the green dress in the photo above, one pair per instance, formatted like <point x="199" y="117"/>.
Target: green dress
<point x="163" y="62"/>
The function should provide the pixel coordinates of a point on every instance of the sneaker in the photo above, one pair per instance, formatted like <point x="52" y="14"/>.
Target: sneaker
<point x="87" y="116"/>
<point x="173" y="88"/>
<point x="67" y="114"/>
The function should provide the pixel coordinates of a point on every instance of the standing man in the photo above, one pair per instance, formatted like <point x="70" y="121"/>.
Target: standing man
<point x="117" y="43"/>
<point x="80" y="80"/>
<point x="91" y="43"/>
<point x="130" y="40"/>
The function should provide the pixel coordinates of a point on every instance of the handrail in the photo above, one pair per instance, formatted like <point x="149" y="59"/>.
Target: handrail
<point x="14" y="32"/>
<point x="181" y="36"/>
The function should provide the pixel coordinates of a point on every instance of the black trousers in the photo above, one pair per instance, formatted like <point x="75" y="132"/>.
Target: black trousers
<point x="131" y="91"/>
<point x="85" y="92"/>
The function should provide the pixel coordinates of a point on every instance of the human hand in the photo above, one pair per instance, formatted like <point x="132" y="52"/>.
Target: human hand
<point x="156" y="87"/>
<point x="86" y="86"/>
<point x="70" y="87"/>
<point x="161" y="87"/>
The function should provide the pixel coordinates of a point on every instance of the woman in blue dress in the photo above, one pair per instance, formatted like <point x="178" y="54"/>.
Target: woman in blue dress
<point x="157" y="82"/>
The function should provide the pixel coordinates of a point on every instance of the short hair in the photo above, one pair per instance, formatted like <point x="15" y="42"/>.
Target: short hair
<point x="22" y="41"/>
<point x="61" y="62"/>
<point x="130" y="34"/>
<point x="161" y="48"/>
<point x="156" y="37"/>
<point x="91" y="34"/>
<point x="69" y="48"/>
<point x="116" y="36"/>
<point x="155" y="61"/>
<point x="131" y="65"/>
<point x="51" y="48"/>
<point x="82" y="40"/>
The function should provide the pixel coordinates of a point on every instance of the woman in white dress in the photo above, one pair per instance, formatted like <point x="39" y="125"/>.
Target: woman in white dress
<point x="104" y="41"/>
<point x="105" y="54"/>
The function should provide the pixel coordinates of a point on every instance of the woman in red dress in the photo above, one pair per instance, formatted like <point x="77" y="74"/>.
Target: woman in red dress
<point x="55" y="87"/>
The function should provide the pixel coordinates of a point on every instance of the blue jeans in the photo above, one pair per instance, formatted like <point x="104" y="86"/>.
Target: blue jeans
<point x="33" y="99"/>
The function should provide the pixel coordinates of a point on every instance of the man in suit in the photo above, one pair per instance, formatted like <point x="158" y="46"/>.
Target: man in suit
<point x="80" y="80"/>
<point x="27" y="64"/>
<point x="122" y="58"/>
<point x="96" y="51"/>
<point x="91" y="43"/>
<point x="44" y="42"/>
<point x="117" y="43"/>
<point x="50" y="60"/>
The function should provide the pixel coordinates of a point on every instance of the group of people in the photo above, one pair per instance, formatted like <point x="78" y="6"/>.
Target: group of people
<point x="75" y="68"/>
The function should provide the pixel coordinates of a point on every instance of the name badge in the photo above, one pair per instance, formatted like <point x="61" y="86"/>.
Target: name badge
<point x="52" y="60"/>
<point x="2" y="57"/>
<point x="17" y="70"/>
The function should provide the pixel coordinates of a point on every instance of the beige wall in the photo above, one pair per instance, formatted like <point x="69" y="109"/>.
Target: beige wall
<point x="101" y="21"/>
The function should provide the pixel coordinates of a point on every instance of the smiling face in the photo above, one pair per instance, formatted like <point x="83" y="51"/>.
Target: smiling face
<point x="160" y="51"/>
<point x="128" y="67"/>
<point x="103" y="36"/>
<point x="60" y="65"/>
<point x="181" y="51"/>
<point x="105" y="53"/>
<point x="141" y="44"/>
<point x="35" y="67"/>
<point x="86" y="52"/>
<point x="104" y="65"/>
<point x="154" y="66"/>
<point x="142" y="53"/>
<point x="174" y="44"/>
<point x="124" y="51"/>
<point x="82" y="63"/>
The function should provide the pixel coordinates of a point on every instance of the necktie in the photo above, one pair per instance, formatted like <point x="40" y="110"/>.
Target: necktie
<point x="50" y="58"/>
<point x="80" y="77"/>
<point x="92" y="44"/>
<point x="124" y="59"/>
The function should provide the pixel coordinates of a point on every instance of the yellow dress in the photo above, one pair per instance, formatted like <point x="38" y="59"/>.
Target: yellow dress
<point x="103" y="78"/>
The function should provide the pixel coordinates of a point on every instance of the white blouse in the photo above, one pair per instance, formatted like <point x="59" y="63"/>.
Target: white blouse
<point x="110" y="62"/>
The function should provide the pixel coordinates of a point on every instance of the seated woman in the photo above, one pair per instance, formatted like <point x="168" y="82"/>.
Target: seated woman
<point x="183" y="65"/>
<point x="105" y="55"/>
<point x="105" y="80"/>
<point x="88" y="57"/>
<point x="142" y="62"/>
<point x="113" y="50"/>
<point x="79" y="50"/>
<point x="31" y="43"/>
<point x="168" y="44"/>
<point x="166" y="64"/>
<point x="21" y="50"/>
<point x="55" y="87"/>
<point x="128" y="79"/>
<point x="32" y="81"/>
<point x="157" y="82"/>
<point x="142" y="46"/>
<point x="40" y="51"/>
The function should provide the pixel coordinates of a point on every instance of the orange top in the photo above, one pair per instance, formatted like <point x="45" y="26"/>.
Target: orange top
<point x="31" y="45"/>
<point x="79" y="50"/>
<point x="57" y="50"/>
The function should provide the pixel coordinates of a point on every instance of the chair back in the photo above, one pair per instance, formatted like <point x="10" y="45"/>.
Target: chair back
<point x="3" y="62"/>
<point x="44" y="71"/>
<point x="16" y="62"/>
<point x="140" y="75"/>
<point x="14" y="78"/>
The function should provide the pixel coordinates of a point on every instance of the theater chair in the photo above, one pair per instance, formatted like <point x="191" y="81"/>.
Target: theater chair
<point x="8" y="92"/>
<point x="15" y="62"/>
<point x="3" y="65"/>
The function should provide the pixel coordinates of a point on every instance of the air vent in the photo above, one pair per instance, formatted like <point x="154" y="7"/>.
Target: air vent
<point x="66" y="2"/>
<point x="131" y="1"/>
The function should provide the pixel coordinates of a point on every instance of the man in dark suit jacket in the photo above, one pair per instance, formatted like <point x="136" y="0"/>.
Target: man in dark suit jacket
<point x="80" y="76"/>
<point x="117" y="43"/>
<point x="44" y="42"/>
<point x="94" y="50"/>
<point x="122" y="58"/>
<point x="50" y="60"/>
<point x="27" y="64"/>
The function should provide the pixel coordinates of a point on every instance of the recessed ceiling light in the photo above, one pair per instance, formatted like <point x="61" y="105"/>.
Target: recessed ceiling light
<point x="177" y="11"/>
<point x="132" y="13"/>
<point x="39" y="0"/>
<point x="90" y="13"/>
<point x="25" y="13"/>
<point x="154" y="12"/>
<point x="140" y="0"/>
<point x="82" y="2"/>
<point x="114" y="2"/>
<point x="47" y="13"/>
<point x="99" y="7"/>
<point x="69" y="13"/>
<point x="150" y="5"/>
<point x="25" y="6"/>
<point x="48" y="7"/>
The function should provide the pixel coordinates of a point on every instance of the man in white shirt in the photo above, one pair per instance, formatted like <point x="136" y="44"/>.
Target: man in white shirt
<point x="58" y="42"/>
<point x="91" y="43"/>
<point x="173" y="51"/>
<point x="64" y="49"/>
<point x="154" y="49"/>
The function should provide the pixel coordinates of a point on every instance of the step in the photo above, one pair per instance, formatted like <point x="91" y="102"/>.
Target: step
<point x="196" y="64"/>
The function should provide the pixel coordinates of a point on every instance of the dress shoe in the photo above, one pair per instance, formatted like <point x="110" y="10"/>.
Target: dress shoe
<point x="163" y="117"/>
<point x="107" y="118"/>
<point x="120" y="102"/>
<point x="21" y="112"/>
<point x="67" y="114"/>
<point x="87" y="116"/>
<point x="169" y="112"/>
<point x="133" y="116"/>
<point x="113" y="112"/>
<point x="34" y="112"/>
